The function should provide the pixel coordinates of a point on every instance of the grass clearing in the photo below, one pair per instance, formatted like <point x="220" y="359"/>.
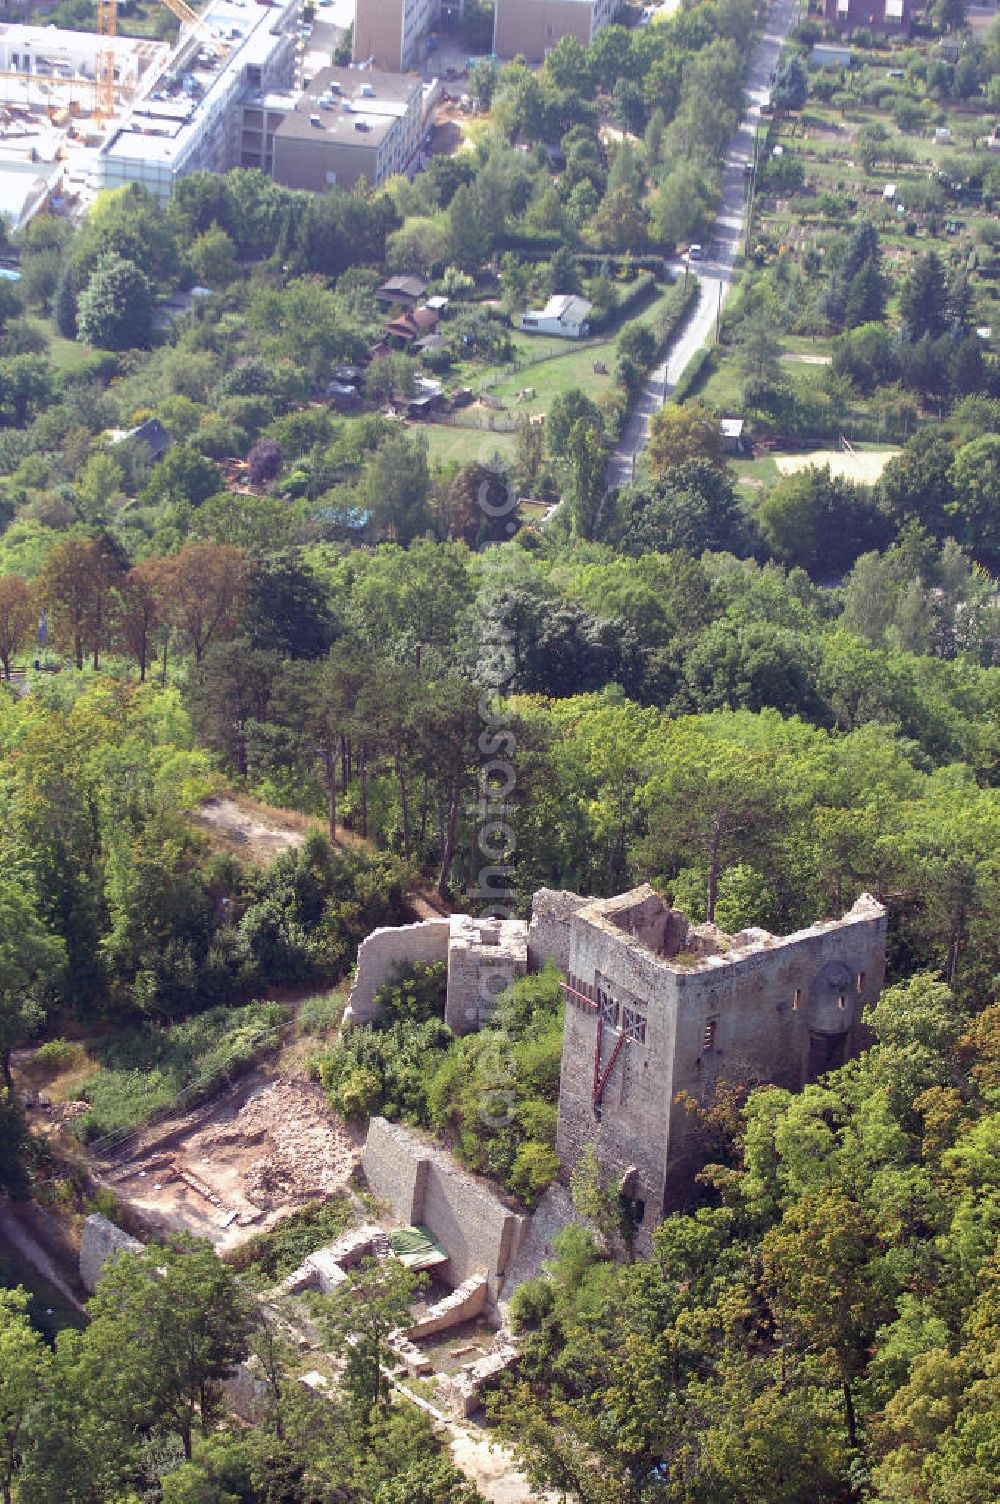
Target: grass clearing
<point x="65" y="354"/>
<point x="447" y="442"/>
<point x="565" y="364"/>
<point x="755" y="475"/>
<point x="142" y="1070"/>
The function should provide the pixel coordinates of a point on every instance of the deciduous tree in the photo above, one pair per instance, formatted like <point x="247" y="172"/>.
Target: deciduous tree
<point x="205" y="588"/>
<point x="688" y="432"/>
<point x="17" y="617"/>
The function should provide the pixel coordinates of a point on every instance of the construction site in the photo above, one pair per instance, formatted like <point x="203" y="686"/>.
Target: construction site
<point x="82" y="111"/>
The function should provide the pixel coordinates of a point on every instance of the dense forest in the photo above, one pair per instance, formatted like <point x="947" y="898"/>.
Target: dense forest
<point x="763" y="697"/>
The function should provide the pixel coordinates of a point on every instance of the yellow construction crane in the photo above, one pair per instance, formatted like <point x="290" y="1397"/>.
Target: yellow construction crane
<point x="107" y="26"/>
<point x="104" y="71"/>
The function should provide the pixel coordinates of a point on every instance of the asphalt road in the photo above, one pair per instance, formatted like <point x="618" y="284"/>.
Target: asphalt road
<point x="715" y="274"/>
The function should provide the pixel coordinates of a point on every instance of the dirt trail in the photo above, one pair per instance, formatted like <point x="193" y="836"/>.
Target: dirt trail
<point x="492" y="1469"/>
<point x="487" y="1464"/>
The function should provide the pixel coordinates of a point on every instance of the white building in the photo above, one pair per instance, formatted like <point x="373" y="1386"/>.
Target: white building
<point x="54" y="60"/>
<point x="191" y="119"/>
<point x="564" y="315"/>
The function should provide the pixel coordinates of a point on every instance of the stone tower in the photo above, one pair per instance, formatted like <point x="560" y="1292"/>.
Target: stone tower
<point x="656" y="1006"/>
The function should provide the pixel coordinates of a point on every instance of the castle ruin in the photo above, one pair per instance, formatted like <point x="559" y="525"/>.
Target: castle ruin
<point x="657" y="1009"/>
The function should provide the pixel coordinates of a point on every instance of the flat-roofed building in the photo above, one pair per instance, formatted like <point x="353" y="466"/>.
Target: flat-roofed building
<point x="349" y="124"/>
<point x="392" y="34"/>
<point x="882" y="16"/>
<point x="533" y="27"/>
<point x="192" y="119"/>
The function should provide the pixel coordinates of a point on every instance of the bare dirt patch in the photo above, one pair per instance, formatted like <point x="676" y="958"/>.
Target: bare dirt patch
<point x="492" y="1468"/>
<point x="261" y="1150"/>
<point x="252" y="831"/>
<point x="864" y="465"/>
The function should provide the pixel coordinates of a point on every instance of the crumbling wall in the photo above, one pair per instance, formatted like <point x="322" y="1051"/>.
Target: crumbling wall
<point x="101" y="1241"/>
<point x="465" y="1302"/>
<point x="425" y="1186"/>
<point x="461" y="1393"/>
<point x="485" y="956"/>
<point x="387" y="951"/>
<point x="552" y="913"/>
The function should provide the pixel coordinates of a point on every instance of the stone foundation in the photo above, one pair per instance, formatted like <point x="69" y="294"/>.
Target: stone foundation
<point x="463" y="1304"/>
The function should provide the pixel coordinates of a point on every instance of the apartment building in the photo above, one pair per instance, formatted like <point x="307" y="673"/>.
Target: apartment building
<point x="531" y="28"/>
<point x="392" y="34"/>
<point x="349" y="124"/>
<point x="189" y="118"/>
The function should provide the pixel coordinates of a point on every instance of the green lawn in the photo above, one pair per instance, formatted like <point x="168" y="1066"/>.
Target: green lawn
<point x="755" y="476"/>
<point x="65" y="354"/>
<point x="445" y="443"/>
<point x="570" y="364"/>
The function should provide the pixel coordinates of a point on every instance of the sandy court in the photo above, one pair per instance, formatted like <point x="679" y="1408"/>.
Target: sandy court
<point x="864" y="465"/>
<point x="808" y="360"/>
<point x="261" y="1150"/>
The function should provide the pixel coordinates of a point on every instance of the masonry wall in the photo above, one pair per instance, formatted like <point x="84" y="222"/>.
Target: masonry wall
<point x="784" y="1012"/>
<point x="102" y="1240"/>
<point x="552" y="913"/>
<point x="425" y="1187"/>
<point x="485" y="956"/>
<point x="633" y="1128"/>
<point x="384" y="953"/>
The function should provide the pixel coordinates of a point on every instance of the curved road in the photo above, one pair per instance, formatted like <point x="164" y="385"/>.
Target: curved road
<point x="716" y="274"/>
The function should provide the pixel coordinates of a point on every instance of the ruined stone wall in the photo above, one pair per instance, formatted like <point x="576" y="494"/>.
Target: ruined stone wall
<point x="384" y="953"/>
<point x="552" y="913"/>
<point x="102" y="1240"/>
<point x="479" y="1232"/>
<point x="485" y="956"/>
<point x="783" y="1010"/>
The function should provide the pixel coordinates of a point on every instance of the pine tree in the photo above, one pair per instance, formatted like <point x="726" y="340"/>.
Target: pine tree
<point x="923" y="299"/>
<point x="865" y="303"/>
<point x="863" y="247"/>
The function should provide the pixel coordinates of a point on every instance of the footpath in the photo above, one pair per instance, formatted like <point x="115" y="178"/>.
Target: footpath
<point x="716" y="274"/>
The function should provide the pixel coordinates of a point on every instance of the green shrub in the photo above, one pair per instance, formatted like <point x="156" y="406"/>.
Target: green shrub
<point x="271" y="1255"/>
<point x="534" y="1169"/>
<point x="492" y="1095"/>
<point x="144" y="1069"/>
<point x="321" y="1014"/>
<point x="58" y="1055"/>
<point x="416" y="995"/>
